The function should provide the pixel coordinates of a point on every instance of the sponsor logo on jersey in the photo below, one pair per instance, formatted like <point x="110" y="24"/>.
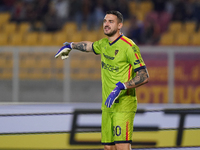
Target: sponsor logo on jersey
<point x="108" y="57"/>
<point x="134" y="49"/>
<point x="109" y="67"/>
<point x="116" y="52"/>
<point x="137" y="62"/>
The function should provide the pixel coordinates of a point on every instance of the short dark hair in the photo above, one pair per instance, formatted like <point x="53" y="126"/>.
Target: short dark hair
<point x="116" y="13"/>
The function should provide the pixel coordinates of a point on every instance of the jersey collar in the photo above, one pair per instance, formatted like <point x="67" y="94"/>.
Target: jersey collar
<point x="115" y="40"/>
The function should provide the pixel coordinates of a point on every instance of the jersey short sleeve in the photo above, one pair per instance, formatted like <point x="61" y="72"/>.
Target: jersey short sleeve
<point x="135" y="58"/>
<point x="97" y="46"/>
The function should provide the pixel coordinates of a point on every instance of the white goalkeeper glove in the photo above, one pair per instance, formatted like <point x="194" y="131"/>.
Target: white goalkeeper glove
<point x="64" y="51"/>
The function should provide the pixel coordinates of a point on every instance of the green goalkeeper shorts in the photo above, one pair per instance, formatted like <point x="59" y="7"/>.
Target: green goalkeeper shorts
<point x="116" y="127"/>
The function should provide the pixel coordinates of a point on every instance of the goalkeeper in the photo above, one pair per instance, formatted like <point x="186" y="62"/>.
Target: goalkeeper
<point x="122" y="70"/>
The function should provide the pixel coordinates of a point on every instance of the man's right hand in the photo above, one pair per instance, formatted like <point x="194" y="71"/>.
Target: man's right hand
<point x="64" y="51"/>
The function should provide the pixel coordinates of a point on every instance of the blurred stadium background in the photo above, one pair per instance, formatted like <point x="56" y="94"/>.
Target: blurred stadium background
<point x="40" y="94"/>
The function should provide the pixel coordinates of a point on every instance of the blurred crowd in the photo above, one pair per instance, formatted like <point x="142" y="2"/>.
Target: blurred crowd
<point x="55" y="13"/>
<point x="157" y="21"/>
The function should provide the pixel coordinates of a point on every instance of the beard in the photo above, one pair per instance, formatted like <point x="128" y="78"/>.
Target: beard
<point x="111" y="33"/>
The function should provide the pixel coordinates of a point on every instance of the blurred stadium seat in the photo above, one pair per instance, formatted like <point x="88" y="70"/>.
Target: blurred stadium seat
<point x="77" y="36"/>
<point x="126" y="24"/>
<point x="89" y="63"/>
<point x="75" y="63"/>
<point x="38" y="26"/>
<point x="3" y="39"/>
<point x="3" y="61"/>
<point x="58" y="64"/>
<point x="6" y="73"/>
<point x="80" y="74"/>
<point x="146" y="6"/>
<point x="34" y="66"/>
<point x="22" y="60"/>
<point x="167" y="39"/>
<point x="23" y="74"/>
<point x="182" y="39"/>
<point x="85" y="66"/>
<point x="44" y="62"/>
<point x="195" y="39"/>
<point x="76" y="59"/>
<point x="140" y="15"/>
<point x="96" y="75"/>
<point x="28" y="62"/>
<point x="35" y="60"/>
<point x="39" y="74"/>
<point x="101" y="35"/>
<point x="133" y="7"/>
<point x="175" y="27"/>
<point x="4" y="18"/>
<point x="23" y="27"/>
<point x="6" y="65"/>
<point x="58" y="74"/>
<point x="91" y="36"/>
<point x="69" y="28"/>
<point x="45" y="39"/>
<point x="59" y="38"/>
<point x="140" y="9"/>
<point x="16" y="39"/>
<point x="9" y="28"/>
<point x="31" y="39"/>
<point x="189" y="27"/>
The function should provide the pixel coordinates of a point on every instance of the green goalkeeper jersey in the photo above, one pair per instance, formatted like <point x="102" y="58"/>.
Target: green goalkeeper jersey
<point x="120" y="60"/>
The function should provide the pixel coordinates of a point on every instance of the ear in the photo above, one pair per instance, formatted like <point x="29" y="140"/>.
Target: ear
<point x="120" y="25"/>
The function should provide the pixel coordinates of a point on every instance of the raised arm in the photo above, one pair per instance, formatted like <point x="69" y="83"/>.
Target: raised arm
<point x="84" y="46"/>
<point x="141" y="78"/>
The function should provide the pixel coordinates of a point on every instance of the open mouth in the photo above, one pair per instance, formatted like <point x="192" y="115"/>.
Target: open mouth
<point x="106" y="28"/>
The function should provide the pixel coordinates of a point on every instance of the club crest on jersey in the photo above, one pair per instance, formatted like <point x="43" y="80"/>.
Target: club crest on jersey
<point x="116" y="52"/>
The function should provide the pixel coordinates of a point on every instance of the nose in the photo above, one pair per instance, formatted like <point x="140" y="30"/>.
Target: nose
<point x="105" y="23"/>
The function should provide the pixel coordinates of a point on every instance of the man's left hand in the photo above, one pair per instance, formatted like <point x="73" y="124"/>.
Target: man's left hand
<point x="114" y="94"/>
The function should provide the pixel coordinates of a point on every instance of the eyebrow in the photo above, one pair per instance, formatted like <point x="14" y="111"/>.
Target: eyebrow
<point x="108" y="20"/>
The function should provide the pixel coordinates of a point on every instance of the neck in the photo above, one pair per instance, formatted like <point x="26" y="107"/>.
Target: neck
<point x="112" y="38"/>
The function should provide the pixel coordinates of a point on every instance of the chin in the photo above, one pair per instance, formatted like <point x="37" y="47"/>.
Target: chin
<point x="109" y="34"/>
<point x="106" y="33"/>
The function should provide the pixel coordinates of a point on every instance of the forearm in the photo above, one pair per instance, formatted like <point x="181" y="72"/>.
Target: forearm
<point x="84" y="46"/>
<point x="140" y="79"/>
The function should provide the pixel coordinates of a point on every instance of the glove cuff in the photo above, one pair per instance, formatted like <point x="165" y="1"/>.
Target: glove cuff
<point x="71" y="44"/>
<point x="121" y="86"/>
<point x="68" y="44"/>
